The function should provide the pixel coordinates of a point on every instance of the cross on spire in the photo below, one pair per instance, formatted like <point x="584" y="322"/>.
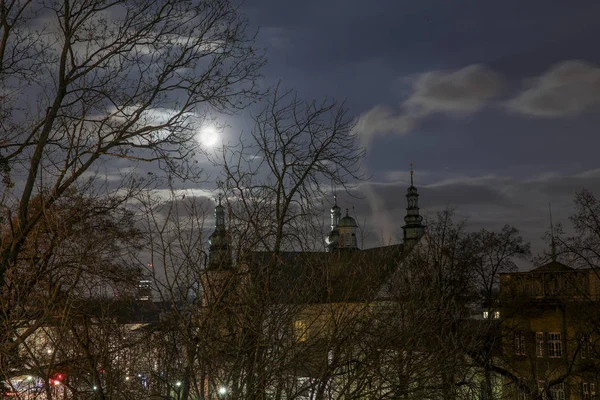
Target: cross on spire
<point x="411" y="174"/>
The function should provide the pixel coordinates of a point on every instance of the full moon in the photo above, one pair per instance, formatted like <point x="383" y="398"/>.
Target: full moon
<point x="209" y="136"/>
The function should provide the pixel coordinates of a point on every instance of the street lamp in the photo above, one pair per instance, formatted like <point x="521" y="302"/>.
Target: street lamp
<point x="222" y="391"/>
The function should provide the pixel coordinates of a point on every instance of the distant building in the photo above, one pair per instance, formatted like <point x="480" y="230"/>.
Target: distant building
<point x="313" y="296"/>
<point x="550" y="332"/>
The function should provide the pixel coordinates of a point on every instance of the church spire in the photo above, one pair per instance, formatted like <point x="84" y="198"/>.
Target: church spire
<point x="413" y="227"/>
<point x="218" y="251"/>
<point x="332" y="240"/>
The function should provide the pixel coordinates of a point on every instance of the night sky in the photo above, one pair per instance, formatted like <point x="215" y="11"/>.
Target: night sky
<point x="495" y="103"/>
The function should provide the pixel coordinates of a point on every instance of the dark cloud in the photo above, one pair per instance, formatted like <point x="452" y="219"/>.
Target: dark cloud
<point x="566" y="89"/>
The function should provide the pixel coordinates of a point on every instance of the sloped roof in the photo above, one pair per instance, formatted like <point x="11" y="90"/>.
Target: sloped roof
<point x="320" y="277"/>
<point x="552" y="266"/>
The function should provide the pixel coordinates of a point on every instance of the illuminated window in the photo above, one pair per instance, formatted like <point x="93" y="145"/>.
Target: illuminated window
<point x="519" y="339"/>
<point x="300" y="330"/>
<point x="486" y="314"/>
<point x="539" y="344"/>
<point x="496" y="314"/>
<point x="554" y="345"/>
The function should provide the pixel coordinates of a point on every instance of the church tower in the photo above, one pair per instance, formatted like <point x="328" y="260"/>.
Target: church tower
<point x="219" y="255"/>
<point x="343" y="230"/>
<point x="333" y="238"/>
<point x="413" y="227"/>
<point x="219" y="268"/>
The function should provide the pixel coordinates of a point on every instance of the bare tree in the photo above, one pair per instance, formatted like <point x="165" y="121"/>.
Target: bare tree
<point x="495" y="254"/>
<point x="275" y="183"/>
<point x="95" y="81"/>
<point x="84" y="87"/>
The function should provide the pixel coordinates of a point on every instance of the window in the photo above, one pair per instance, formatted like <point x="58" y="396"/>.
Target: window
<point x="585" y="342"/>
<point x="558" y="391"/>
<point x="589" y="391"/>
<point x="300" y="330"/>
<point x="554" y="345"/>
<point x="486" y="314"/>
<point x="539" y="344"/>
<point x="542" y="389"/>
<point x="519" y="340"/>
<point x="496" y="314"/>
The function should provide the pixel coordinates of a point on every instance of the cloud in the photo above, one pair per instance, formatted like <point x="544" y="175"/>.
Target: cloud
<point x="566" y="89"/>
<point x="463" y="91"/>
<point x="459" y="92"/>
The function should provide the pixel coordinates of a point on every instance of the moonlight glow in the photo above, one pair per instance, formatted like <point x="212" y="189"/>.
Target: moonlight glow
<point x="209" y="136"/>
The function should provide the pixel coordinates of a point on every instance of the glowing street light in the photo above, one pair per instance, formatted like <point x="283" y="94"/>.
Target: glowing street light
<point x="222" y="390"/>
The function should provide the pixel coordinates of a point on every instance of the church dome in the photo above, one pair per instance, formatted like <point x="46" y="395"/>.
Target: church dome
<point x="333" y="237"/>
<point x="348" y="222"/>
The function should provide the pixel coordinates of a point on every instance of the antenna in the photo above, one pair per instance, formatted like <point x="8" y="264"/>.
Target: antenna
<point x="553" y="243"/>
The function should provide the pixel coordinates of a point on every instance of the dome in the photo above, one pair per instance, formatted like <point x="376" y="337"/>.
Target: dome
<point x="348" y="221"/>
<point x="333" y="237"/>
<point x="335" y="208"/>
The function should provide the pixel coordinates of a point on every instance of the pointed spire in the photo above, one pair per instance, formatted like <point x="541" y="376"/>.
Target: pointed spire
<point x="552" y="243"/>
<point x="219" y="255"/>
<point x="413" y="227"/>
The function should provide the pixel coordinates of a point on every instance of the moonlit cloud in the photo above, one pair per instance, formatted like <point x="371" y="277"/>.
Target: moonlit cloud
<point x="459" y="93"/>
<point x="566" y="89"/>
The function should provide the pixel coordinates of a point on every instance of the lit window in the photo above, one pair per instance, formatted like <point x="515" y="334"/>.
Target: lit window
<point x="300" y="330"/>
<point x="496" y="314"/>
<point x="519" y="338"/>
<point x="539" y="344"/>
<point x="486" y="314"/>
<point x="554" y="345"/>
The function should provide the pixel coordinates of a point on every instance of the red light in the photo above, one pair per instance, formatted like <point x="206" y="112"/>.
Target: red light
<point x="59" y="377"/>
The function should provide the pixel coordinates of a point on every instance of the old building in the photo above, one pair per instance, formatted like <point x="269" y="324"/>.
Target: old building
<point x="550" y="329"/>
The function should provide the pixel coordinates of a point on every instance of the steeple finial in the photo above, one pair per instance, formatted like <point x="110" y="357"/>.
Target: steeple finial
<point x="411" y="174"/>
<point x="552" y="243"/>
<point x="220" y="196"/>
<point x="335" y="199"/>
